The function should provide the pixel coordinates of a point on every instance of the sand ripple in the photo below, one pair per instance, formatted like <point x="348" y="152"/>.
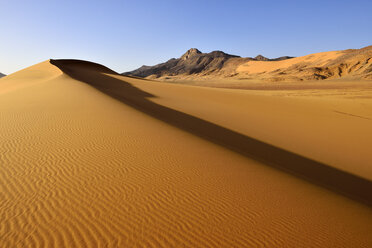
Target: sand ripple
<point x="80" y="169"/>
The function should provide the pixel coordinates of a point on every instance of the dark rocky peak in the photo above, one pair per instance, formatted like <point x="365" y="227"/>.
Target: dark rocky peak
<point x="261" y="58"/>
<point x="190" y="53"/>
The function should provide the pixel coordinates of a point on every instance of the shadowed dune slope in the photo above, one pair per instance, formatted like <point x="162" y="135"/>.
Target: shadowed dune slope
<point x="314" y="171"/>
<point x="2" y="75"/>
<point x="90" y="158"/>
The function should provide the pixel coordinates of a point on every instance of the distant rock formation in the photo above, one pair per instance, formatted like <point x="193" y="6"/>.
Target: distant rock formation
<point x="261" y="58"/>
<point x="195" y="65"/>
<point x="192" y="62"/>
<point x="2" y="75"/>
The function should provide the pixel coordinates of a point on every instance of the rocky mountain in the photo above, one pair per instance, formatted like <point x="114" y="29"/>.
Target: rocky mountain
<point x="2" y="75"/>
<point x="194" y="62"/>
<point x="195" y="65"/>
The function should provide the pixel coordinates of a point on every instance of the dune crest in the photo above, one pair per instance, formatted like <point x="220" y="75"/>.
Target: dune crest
<point x="90" y="158"/>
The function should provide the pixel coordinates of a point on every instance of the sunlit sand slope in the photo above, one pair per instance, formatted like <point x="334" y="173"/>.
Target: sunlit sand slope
<point x="351" y="63"/>
<point x="89" y="158"/>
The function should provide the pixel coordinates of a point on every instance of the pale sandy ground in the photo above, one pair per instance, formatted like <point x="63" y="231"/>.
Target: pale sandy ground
<point x="103" y="160"/>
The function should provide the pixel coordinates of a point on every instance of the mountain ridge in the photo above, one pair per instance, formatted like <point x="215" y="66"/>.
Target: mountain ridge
<point x="193" y="61"/>
<point x="195" y="65"/>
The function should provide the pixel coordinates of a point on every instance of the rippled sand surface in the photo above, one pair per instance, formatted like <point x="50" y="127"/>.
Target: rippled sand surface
<point x="89" y="158"/>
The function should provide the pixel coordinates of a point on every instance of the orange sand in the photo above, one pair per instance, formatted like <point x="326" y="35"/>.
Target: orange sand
<point x="89" y="158"/>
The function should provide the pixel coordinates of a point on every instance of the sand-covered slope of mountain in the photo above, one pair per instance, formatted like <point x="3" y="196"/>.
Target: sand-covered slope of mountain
<point x="91" y="158"/>
<point x="349" y="64"/>
<point x="2" y="75"/>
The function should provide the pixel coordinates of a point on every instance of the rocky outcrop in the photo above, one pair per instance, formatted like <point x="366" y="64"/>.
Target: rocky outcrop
<point x="195" y="65"/>
<point x="192" y="62"/>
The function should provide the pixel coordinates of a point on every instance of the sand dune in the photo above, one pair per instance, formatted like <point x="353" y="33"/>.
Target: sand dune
<point x="90" y="158"/>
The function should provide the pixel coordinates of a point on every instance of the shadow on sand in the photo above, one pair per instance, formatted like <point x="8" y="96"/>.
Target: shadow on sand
<point x="338" y="181"/>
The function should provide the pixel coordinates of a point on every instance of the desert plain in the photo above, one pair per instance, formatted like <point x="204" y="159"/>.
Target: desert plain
<point x="92" y="158"/>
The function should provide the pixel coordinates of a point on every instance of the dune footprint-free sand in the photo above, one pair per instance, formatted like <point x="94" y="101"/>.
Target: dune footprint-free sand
<point x="89" y="158"/>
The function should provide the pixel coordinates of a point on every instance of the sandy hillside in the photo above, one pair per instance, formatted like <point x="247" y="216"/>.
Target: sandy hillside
<point x="90" y="158"/>
<point x="352" y="63"/>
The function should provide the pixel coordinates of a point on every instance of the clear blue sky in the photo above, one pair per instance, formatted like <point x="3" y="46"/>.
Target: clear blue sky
<point x="124" y="35"/>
